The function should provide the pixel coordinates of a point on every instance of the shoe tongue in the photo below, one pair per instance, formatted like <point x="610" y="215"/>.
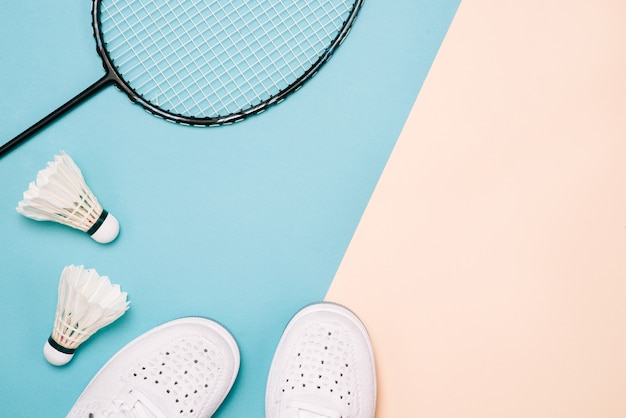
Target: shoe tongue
<point x="308" y="408"/>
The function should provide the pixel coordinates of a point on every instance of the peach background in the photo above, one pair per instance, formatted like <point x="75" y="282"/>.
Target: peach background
<point x="490" y="264"/>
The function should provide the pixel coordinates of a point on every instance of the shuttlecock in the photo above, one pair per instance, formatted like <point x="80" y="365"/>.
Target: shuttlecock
<point x="87" y="302"/>
<point x="60" y="194"/>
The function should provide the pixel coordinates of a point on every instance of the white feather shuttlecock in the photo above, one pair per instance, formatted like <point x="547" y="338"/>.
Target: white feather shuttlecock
<point x="60" y="194"/>
<point x="87" y="302"/>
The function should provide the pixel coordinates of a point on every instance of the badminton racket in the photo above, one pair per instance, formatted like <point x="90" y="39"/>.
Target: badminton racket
<point x="209" y="62"/>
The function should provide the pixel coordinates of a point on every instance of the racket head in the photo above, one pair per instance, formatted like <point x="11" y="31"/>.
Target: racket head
<point x="216" y="62"/>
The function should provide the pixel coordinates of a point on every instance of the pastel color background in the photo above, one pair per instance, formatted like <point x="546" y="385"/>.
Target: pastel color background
<point x="490" y="264"/>
<point x="454" y="175"/>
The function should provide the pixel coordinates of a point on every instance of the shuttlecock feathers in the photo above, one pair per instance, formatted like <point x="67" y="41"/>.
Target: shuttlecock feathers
<point x="60" y="194"/>
<point x="86" y="303"/>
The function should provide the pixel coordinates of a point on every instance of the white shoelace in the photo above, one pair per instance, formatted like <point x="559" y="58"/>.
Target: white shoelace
<point x="302" y="409"/>
<point x="132" y="404"/>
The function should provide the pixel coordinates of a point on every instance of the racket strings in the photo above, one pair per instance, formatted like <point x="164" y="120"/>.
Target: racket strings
<point x="154" y="70"/>
<point x="267" y="80"/>
<point x="214" y="58"/>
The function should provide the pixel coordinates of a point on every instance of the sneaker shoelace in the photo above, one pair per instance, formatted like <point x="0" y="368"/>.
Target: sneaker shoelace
<point x="132" y="404"/>
<point x="303" y="409"/>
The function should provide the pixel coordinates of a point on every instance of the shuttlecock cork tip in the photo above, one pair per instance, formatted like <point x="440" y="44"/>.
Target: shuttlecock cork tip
<point x="56" y="354"/>
<point x="105" y="229"/>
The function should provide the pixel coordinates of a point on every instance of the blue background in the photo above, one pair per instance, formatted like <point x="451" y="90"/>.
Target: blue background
<point x="243" y="223"/>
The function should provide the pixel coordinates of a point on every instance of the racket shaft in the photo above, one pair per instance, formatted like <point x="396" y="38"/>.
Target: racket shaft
<point x="82" y="96"/>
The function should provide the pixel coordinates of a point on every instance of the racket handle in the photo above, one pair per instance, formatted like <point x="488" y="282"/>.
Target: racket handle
<point x="79" y="98"/>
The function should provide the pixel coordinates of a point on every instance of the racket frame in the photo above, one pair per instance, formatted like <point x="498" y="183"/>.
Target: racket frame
<point x="238" y="116"/>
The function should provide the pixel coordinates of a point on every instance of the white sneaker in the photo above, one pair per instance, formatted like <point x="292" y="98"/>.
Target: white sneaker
<point x="323" y="367"/>
<point x="183" y="368"/>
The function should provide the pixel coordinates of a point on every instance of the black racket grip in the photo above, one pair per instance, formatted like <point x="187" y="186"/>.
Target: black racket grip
<point x="79" y="98"/>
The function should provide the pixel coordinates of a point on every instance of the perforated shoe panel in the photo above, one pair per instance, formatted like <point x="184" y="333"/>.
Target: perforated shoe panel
<point x="184" y="368"/>
<point x="323" y="366"/>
